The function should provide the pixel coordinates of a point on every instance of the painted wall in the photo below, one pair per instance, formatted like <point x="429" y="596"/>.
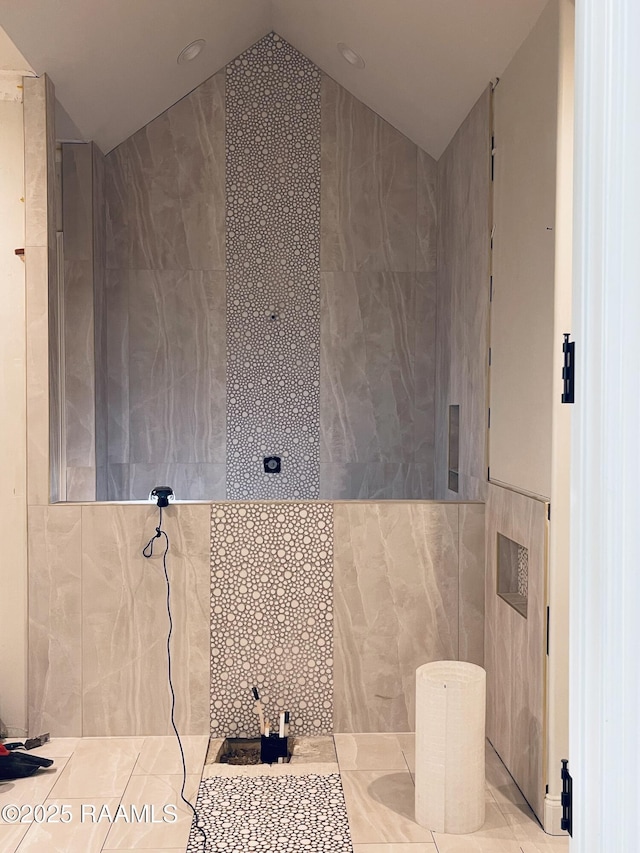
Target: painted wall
<point x="522" y="310"/>
<point x="336" y="310"/>
<point x="13" y="448"/>
<point x="559" y="552"/>
<point x="531" y="308"/>
<point x="464" y="194"/>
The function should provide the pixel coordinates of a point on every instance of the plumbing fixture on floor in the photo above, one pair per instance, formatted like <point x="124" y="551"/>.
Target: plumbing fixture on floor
<point x="274" y="746"/>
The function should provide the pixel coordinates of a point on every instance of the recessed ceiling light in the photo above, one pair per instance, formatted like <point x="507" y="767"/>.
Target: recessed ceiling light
<point x="350" y="55"/>
<point x="190" y="51"/>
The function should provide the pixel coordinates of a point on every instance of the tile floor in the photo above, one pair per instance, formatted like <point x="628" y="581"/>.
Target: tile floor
<point x="94" y="776"/>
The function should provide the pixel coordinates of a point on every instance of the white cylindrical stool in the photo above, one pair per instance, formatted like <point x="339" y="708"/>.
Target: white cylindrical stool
<point x="450" y="727"/>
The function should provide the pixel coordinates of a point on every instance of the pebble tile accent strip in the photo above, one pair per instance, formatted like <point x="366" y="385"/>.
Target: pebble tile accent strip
<point x="523" y="571"/>
<point x="271" y="616"/>
<point x="287" y="814"/>
<point x="273" y="272"/>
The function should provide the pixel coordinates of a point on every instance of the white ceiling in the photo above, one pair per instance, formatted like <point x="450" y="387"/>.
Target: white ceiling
<point x="113" y="62"/>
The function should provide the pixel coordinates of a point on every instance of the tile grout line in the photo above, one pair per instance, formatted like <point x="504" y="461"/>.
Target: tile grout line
<point x="123" y="793"/>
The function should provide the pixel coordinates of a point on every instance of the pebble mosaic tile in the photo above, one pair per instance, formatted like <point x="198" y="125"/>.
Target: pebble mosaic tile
<point x="273" y="272"/>
<point x="271" y="616"/>
<point x="287" y="814"/>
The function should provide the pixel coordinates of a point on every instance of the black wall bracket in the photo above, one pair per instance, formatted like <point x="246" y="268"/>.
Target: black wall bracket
<point x="568" y="371"/>
<point x="566" y="798"/>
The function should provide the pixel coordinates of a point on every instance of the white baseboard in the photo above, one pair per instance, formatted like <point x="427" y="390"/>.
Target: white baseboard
<point x="553" y="815"/>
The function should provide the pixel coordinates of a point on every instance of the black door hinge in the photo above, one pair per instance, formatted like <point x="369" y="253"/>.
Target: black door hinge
<point x="568" y="370"/>
<point x="566" y="798"/>
<point x="548" y="619"/>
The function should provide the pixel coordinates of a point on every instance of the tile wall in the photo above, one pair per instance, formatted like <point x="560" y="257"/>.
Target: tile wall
<point x="273" y="272"/>
<point x="515" y="645"/>
<point x="464" y="246"/>
<point x="166" y="302"/>
<point x="378" y="262"/>
<point x="84" y="342"/>
<point x="328" y="608"/>
<point x="334" y="310"/>
<point x="272" y="615"/>
<point x="98" y="621"/>
<point x="406" y="593"/>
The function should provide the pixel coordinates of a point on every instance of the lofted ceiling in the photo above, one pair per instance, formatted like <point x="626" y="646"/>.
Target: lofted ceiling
<point x="113" y="62"/>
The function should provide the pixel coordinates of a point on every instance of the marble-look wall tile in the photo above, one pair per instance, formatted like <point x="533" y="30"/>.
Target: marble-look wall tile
<point x="165" y="188"/>
<point x="396" y="607"/>
<point x="177" y="391"/>
<point x="79" y="363"/>
<point x="100" y="323"/>
<point x="367" y="394"/>
<point x="43" y="406"/>
<point x="376" y="481"/>
<point x="77" y="201"/>
<point x="427" y="213"/>
<point x="118" y="485"/>
<point x="425" y="372"/>
<point x="79" y="320"/>
<point x="38" y="437"/>
<point x="367" y="165"/>
<point x="463" y="301"/>
<point x="81" y="483"/>
<point x="271" y="615"/>
<point x="124" y="620"/>
<point x="515" y="645"/>
<point x="201" y="481"/>
<point x="471" y="523"/>
<point x="118" y="409"/>
<point x="55" y="622"/>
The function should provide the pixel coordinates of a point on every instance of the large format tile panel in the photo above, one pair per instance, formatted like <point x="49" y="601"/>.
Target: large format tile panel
<point x="55" y="620"/>
<point x="427" y="213"/>
<point x="396" y="602"/>
<point x="515" y="645"/>
<point x="43" y="412"/>
<point x="367" y="367"/>
<point x="464" y="191"/>
<point x="165" y="188"/>
<point x="125" y="621"/>
<point x="367" y="165"/>
<point x="471" y="551"/>
<point x="176" y="367"/>
<point x="375" y="481"/>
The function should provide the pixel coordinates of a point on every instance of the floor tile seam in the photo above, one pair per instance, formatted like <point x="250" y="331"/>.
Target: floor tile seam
<point x="405" y="768"/>
<point x="124" y="790"/>
<point x="80" y="800"/>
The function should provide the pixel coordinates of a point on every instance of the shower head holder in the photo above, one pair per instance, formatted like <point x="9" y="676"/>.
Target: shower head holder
<point x="162" y="495"/>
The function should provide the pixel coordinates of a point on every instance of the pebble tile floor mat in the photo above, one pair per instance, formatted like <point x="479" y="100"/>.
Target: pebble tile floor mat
<point x="277" y="814"/>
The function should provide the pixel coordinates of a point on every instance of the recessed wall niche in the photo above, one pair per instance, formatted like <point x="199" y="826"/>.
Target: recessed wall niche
<point x="513" y="573"/>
